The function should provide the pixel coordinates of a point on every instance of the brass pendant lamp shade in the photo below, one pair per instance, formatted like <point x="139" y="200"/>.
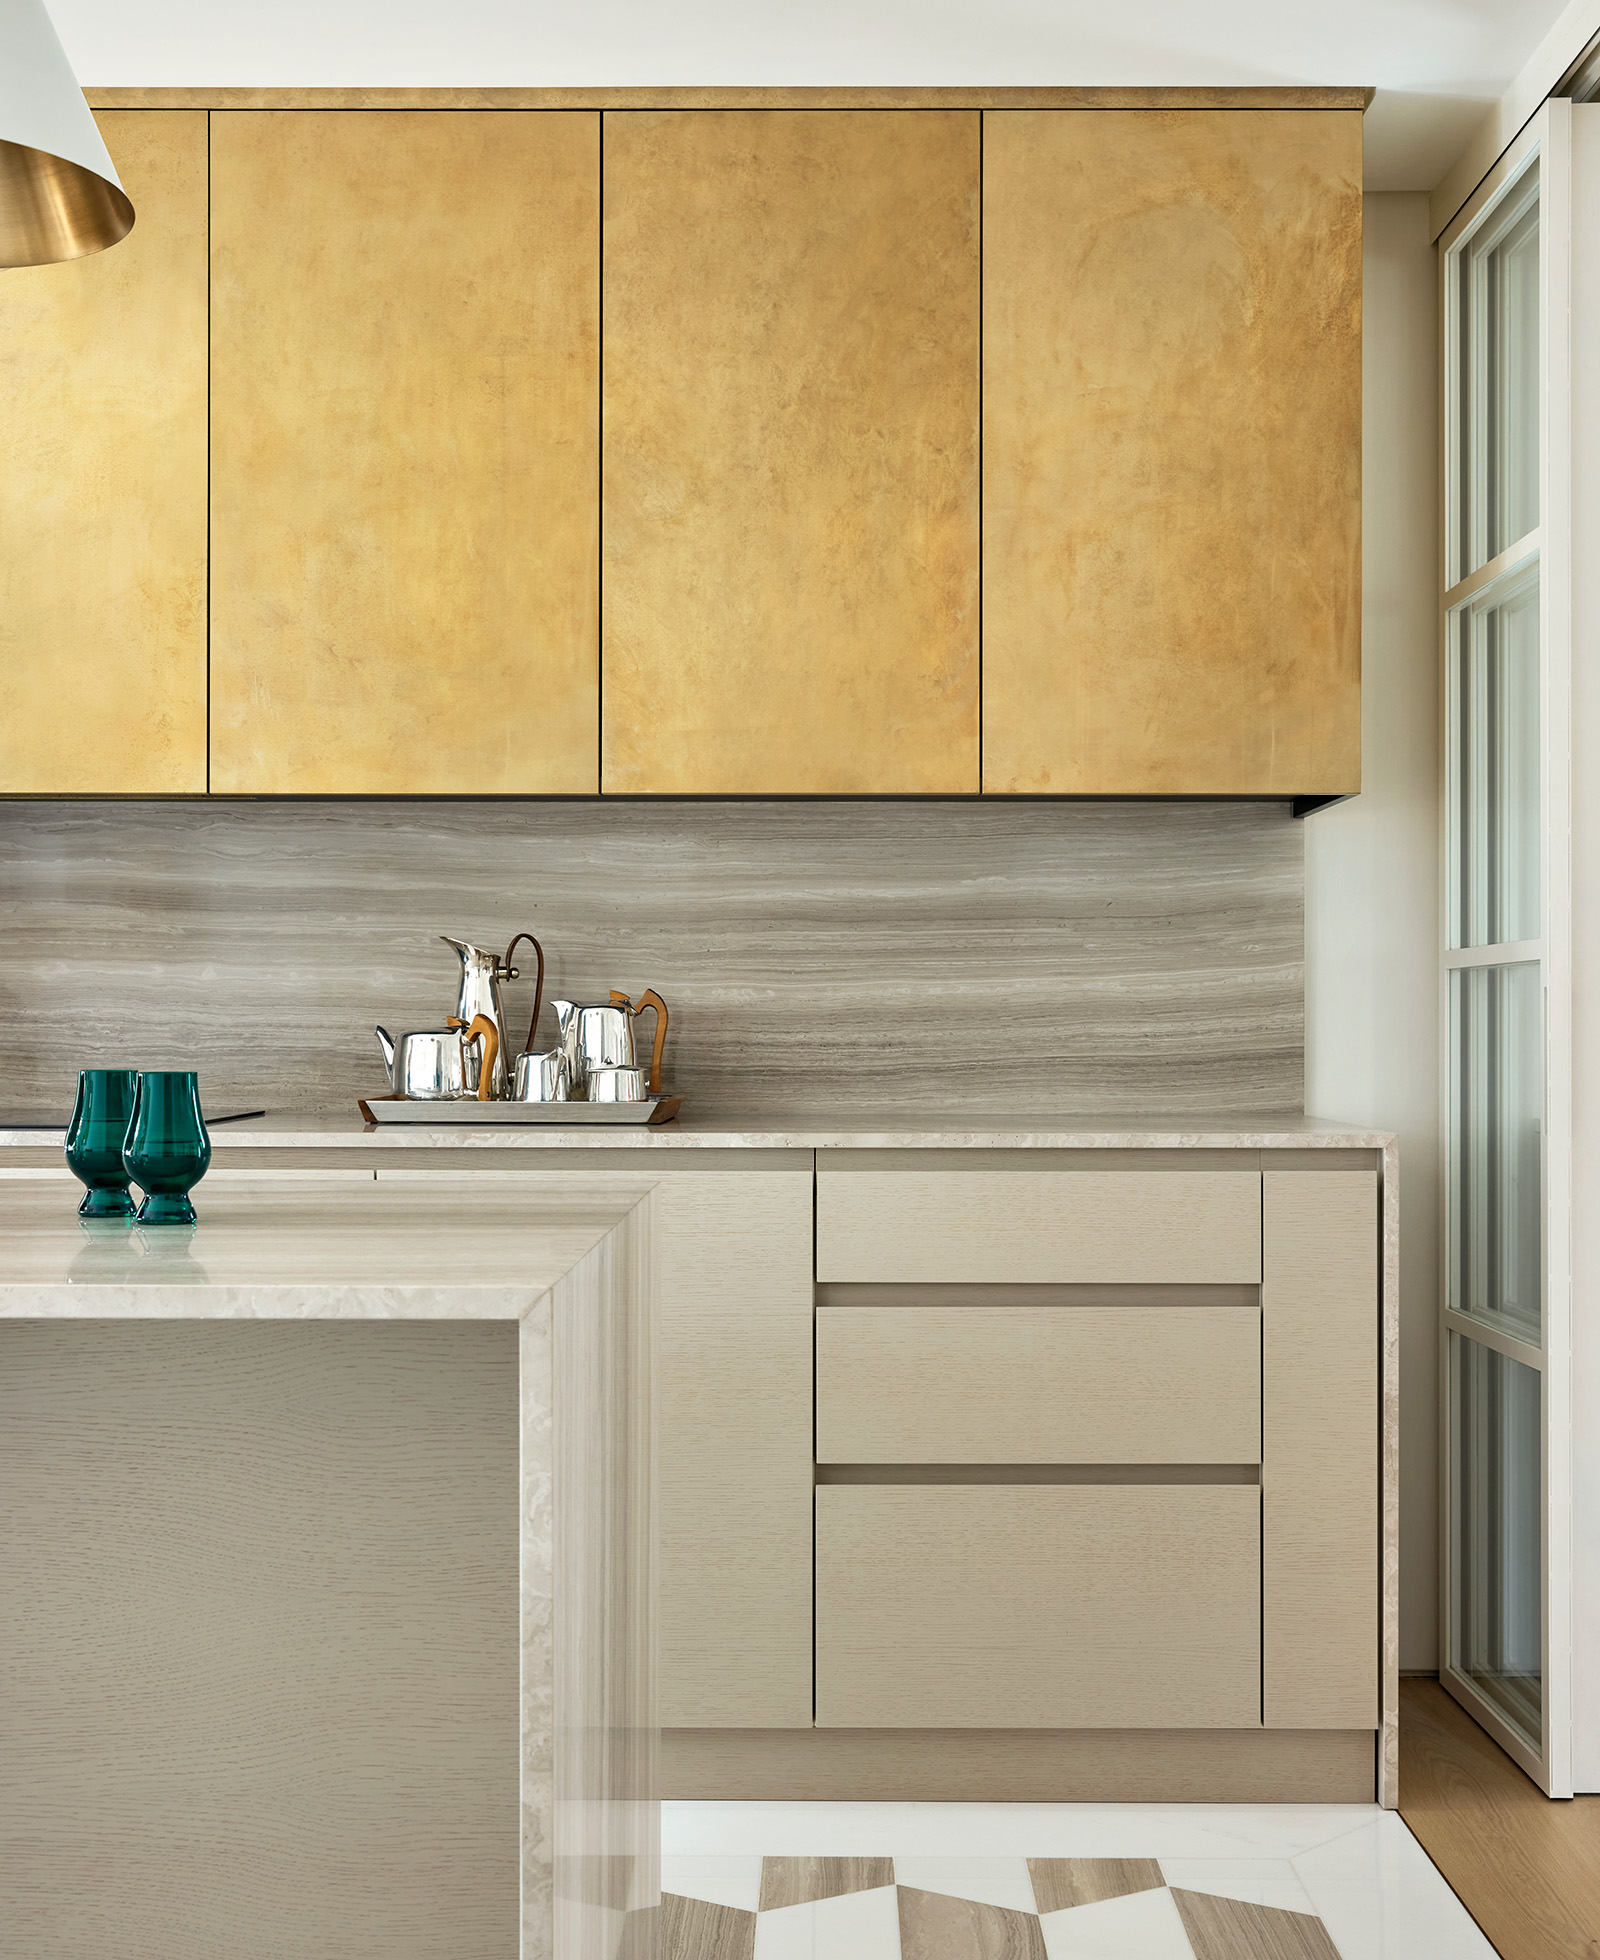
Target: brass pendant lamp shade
<point x="59" y="193"/>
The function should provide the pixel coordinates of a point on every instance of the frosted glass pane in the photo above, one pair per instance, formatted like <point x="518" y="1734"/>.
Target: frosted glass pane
<point x="1497" y="303"/>
<point x="1494" y="769"/>
<point x="1496" y="1145"/>
<point x="1495" y="1621"/>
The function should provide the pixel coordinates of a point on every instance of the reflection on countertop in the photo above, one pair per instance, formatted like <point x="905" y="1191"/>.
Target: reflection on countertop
<point x="287" y="1244"/>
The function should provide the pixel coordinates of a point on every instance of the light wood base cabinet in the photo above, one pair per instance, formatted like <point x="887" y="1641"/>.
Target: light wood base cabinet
<point x="1320" y="1592"/>
<point x="1001" y="1375"/>
<point x="730" y="1245"/>
<point x="1097" y="1448"/>
<point x="1019" y="1765"/>
<point x="734" y="1252"/>
<point x="1027" y="1606"/>
<point x="1035" y="1224"/>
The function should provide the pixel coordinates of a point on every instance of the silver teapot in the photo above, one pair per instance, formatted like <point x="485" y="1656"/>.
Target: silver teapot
<point x="442" y="1064"/>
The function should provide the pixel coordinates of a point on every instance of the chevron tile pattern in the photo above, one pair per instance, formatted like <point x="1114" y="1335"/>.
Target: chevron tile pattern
<point x="999" y="1909"/>
<point x="943" y="1883"/>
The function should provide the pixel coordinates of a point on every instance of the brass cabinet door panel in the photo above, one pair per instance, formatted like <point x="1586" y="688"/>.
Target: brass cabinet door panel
<point x="405" y="447"/>
<point x="790" y="598"/>
<point x="103" y="491"/>
<point x="1172" y="452"/>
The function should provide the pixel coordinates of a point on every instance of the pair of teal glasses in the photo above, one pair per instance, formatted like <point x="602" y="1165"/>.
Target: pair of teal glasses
<point x="138" y="1126"/>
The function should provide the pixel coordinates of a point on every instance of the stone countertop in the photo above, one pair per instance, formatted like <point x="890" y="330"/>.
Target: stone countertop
<point x="278" y="1247"/>
<point x="894" y="1130"/>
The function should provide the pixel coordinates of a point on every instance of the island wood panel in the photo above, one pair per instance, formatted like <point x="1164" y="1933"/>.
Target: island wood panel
<point x="103" y="492"/>
<point x="1055" y="1380"/>
<point x="1038" y="1607"/>
<point x="259" y="1639"/>
<point x="1319" y="1588"/>
<point x="1172" y="452"/>
<point x="405" y="399"/>
<point x="790" y="598"/>
<point x="1038" y="1226"/>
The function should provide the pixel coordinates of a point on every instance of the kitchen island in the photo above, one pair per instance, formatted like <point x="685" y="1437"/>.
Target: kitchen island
<point x="1018" y="1353"/>
<point x="279" y="1545"/>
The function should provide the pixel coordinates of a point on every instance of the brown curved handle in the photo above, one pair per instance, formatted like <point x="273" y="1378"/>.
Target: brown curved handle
<point x="650" y="998"/>
<point x="481" y="1024"/>
<point x="538" y="985"/>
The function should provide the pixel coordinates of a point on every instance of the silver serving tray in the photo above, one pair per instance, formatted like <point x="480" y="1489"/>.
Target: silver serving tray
<point x="472" y="1114"/>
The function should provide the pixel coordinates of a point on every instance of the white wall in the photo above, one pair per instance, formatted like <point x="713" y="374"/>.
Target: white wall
<point x="1438" y="65"/>
<point x="1372" y="867"/>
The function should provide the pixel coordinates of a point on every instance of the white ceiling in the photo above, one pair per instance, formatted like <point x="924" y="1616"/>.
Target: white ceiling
<point x="1437" y="64"/>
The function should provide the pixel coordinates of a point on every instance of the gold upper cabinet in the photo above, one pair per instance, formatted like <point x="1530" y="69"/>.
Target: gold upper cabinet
<point x="790" y="588"/>
<point x="404" y="498"/>
<point x="103" y="490"/>
<point x="1172" y="452"/>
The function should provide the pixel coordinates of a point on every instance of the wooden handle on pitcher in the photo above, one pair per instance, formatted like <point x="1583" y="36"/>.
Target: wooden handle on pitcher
<point x="650" y="998"/>
<point x="481" y="1024"/>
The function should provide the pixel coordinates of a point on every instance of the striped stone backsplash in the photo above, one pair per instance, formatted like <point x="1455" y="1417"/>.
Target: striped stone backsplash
<point x="991" y="958"/>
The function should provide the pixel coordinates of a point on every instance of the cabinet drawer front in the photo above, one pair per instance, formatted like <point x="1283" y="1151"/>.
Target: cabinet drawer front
<point x="1026" y="1606"/>
<point x="1179" y="1228"/>
<point x="1102" y="1383"/>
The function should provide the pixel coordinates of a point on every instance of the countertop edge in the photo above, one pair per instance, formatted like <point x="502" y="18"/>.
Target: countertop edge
<point x="312" y="1133"/>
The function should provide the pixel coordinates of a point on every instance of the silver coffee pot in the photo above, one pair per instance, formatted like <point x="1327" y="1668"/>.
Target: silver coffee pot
<point x="598" y="1035"/>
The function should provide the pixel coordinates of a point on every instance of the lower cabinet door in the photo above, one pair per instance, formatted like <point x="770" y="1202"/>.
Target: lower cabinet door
<point x="1024" y="1606"/>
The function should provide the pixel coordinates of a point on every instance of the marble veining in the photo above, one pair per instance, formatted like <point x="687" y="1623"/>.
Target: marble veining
<point x="853" y="956"/>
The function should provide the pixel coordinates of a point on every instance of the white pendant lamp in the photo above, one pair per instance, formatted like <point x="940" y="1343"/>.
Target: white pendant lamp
<point x="59" y="193"/>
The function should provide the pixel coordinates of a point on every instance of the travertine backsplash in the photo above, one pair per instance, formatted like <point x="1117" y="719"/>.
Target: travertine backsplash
<point x="986" y="958"/>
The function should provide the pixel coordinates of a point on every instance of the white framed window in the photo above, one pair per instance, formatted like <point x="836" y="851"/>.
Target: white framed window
<point x="1506" y="962"/>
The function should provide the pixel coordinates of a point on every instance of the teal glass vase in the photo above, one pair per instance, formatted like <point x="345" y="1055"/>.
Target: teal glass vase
<point x="95" y="1137"/>
<point x="167" y="1149"/>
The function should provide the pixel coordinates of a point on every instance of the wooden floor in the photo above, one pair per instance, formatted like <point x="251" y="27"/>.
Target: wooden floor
<point x="1527" y="1869"/>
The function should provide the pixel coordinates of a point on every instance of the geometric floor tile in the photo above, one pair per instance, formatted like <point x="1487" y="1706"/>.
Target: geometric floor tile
<point x="1229" y="1929"/>
<point x="1138" y="1926"/>
<point x="1258" y="1881"/>
<point x="935" y="1926"/>
<point x="799" y="1881"/>
<point x="694" y="1929"/>
<point x="991" y="1881"/>
<point x="1062" y="1882"/>
<point x="725" y="1881"/>
<point x="851" y="1926"/>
